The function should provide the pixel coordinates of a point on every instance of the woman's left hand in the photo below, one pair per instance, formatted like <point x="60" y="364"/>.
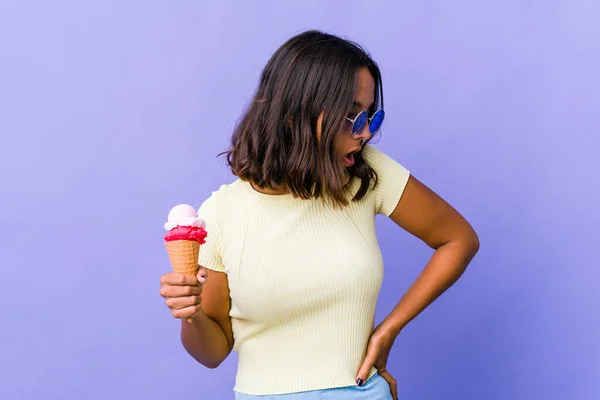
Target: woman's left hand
<point x="378" y="350"/>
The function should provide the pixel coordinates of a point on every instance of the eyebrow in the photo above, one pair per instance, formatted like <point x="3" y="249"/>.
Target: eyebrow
<point x="360" y="106"/>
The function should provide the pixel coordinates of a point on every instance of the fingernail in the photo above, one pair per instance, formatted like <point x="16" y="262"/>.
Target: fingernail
<point x="360" y="382"/>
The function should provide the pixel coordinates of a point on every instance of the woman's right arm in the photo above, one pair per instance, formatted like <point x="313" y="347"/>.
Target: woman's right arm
<point x="209" y="337"/>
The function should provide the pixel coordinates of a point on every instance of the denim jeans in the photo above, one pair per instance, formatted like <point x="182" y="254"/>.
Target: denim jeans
<point x="376" y="388"/>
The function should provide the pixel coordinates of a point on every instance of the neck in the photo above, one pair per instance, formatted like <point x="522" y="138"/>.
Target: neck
<point x="274" y="192"/>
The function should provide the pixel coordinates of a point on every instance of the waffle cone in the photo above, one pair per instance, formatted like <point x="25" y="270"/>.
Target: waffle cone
<point x="184" y="256"/>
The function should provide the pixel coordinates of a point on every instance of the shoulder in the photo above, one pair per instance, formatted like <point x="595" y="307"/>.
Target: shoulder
<point x="378" y="159"/>
<point x="391" y="180"/>
<point x="221" y="199"/>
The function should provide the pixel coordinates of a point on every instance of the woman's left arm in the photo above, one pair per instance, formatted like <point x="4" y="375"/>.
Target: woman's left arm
<point x="427" y="216"/>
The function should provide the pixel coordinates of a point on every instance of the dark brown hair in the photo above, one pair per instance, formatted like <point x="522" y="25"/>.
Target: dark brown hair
<point x="275" y="143"/>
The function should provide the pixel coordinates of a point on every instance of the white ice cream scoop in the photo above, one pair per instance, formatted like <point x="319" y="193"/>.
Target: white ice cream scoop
<point x="183" y="215"/>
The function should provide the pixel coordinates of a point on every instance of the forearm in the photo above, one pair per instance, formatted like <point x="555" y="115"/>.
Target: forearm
<point x="443" y="269"/>
<point x="205" y="341"/>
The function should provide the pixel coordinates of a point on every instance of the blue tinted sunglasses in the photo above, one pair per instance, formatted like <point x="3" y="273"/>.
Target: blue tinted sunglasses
<point x="359" y="122"/>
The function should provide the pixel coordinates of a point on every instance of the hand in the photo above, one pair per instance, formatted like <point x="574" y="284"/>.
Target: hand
<point x="183" y="293"/>
<point x="378" y="350"/>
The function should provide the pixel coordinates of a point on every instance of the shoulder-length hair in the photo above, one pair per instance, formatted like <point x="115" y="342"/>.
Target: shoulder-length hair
<point x="275" y="144"/>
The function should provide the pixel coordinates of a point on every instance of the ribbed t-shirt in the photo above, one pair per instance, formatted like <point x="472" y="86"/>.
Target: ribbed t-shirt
<point x="303" y="277"/>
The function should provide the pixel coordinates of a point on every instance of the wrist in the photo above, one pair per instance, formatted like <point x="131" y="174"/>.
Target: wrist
<point x="197" y="320"/>
<point x="391" y="328"/>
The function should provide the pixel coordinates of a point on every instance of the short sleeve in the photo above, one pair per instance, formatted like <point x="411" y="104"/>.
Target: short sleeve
<point x="392" y="178"/>
<point x="210" y="251"/>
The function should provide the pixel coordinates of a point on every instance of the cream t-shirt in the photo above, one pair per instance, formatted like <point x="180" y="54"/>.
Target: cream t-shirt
<point x="303" y="278"/>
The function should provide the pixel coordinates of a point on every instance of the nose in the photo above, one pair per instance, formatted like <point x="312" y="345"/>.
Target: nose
<point x="365" y="133"/>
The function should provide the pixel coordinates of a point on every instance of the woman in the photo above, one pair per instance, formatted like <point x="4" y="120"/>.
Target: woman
<point x="291" y="268"/>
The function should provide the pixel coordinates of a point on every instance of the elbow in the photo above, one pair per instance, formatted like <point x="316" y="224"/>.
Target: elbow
<point x="209" y="359"/>
<point x="465" y="243"/>
<point x="471" y="241"/>
<point x="211" y="364"/>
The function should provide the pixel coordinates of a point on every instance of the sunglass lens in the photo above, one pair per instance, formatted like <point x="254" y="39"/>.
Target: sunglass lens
<point x="376" y="121"/>
<point x="359" y="122"/>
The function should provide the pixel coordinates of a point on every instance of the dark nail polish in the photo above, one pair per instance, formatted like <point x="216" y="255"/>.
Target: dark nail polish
<point x="360" y="382"/>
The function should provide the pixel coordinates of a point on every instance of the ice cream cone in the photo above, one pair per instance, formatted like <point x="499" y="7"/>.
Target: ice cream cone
<point x="185" y="234"/>
<point x="184" y="257"/>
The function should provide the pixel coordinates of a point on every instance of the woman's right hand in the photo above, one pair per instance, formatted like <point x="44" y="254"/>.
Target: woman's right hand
<point x="183" y="293"/>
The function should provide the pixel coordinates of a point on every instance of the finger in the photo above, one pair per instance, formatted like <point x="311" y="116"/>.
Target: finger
<point x="391" y="381"/>
<point x="167" y="291"/>
<point x="187" y="312"/>
<point x="179" y="303"/>
<point x="365" y="368"/>
<point x="202" y="275"/>
<point x="177" y="279"/>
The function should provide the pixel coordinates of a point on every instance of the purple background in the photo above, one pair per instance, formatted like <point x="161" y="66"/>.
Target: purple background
<point x="113" y="111"/>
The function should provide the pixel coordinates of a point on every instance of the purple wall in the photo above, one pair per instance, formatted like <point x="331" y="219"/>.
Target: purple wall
<point x="113" y="111"/>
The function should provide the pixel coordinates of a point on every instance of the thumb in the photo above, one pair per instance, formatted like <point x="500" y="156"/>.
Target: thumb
<point x="202" y="275"/>
<point x="365" y="368"/>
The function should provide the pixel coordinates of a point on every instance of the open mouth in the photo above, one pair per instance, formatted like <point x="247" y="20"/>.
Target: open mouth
<point x="348" y="159"/>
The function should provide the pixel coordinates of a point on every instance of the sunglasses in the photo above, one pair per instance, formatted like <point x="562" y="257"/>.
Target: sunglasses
<point x="359" y="122"/>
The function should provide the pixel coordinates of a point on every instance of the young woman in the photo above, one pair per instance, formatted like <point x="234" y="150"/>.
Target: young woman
<point x="291" y="269"/>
